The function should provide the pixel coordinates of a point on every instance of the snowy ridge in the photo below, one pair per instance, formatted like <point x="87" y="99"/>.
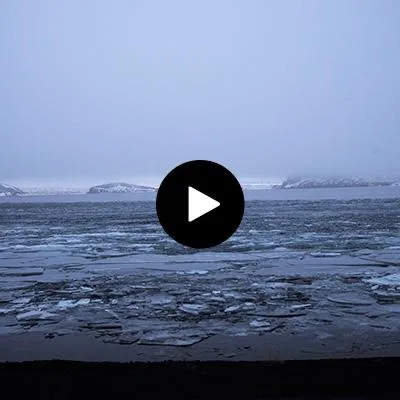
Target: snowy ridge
<point x="49" y="191"/>
<point x="332" y="182"/>
<point x="261" y="185"/>
<point x="9" y="190"/>
<point x="120" y="188"/>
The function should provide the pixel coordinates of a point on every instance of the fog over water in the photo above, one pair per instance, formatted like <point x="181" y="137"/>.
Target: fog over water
<point x="100" y="91"/>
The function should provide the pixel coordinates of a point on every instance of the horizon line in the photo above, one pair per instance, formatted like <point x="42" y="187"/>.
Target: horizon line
<point x="153" y="181"/>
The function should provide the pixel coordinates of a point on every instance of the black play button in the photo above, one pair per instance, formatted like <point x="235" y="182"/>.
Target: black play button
<point x="200" y="204"/>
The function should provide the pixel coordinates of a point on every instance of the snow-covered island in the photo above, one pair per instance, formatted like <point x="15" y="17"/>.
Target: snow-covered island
<point x="9" y="190"/>
<point x="120" y="188"/>
<point x="246" y="184"/>
<point x="335" y="182"/>
<point x="261" y="184"/>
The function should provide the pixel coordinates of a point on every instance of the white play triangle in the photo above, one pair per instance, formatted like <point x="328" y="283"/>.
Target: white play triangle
<point x="199" y="204"/>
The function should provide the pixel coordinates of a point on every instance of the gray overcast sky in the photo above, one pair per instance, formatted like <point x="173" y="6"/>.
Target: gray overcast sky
<point x="93" y="89"/>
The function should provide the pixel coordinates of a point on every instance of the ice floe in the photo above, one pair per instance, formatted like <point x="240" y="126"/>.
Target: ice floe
<point x="194" y="309"/>
<point x="34" y="315"/>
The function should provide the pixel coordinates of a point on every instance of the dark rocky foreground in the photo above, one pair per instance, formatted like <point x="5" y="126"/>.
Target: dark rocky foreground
<point x="334" y="379"/>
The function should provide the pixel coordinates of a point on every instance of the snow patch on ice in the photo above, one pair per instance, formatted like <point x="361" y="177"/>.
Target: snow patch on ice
<point x="64" y="304"/>
<point x="388" y="280"/>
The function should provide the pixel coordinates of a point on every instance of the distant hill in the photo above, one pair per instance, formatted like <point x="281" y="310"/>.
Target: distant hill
<point x="52" y="191"/>
<point x="119" y="187"/>
<point x="8" y="190"/>
<point x="332" y="182"/>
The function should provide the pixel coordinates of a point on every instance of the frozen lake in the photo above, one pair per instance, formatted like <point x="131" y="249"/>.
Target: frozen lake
<point x="310" y="260"/>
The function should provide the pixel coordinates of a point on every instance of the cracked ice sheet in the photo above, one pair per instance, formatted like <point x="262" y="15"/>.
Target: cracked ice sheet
<point x="312" y="266"/>
<point x="110" y="268"/>
<point x="187" y="263"/>
<point x="203" y="257"/>
<point x="151" y="268"/>
<point x="387" y="256"/>
<point x="126" y="307"/>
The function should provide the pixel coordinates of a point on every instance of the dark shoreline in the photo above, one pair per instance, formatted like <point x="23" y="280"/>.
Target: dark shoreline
<point x="264" y="366"/>
<point x="266" y="347"/>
